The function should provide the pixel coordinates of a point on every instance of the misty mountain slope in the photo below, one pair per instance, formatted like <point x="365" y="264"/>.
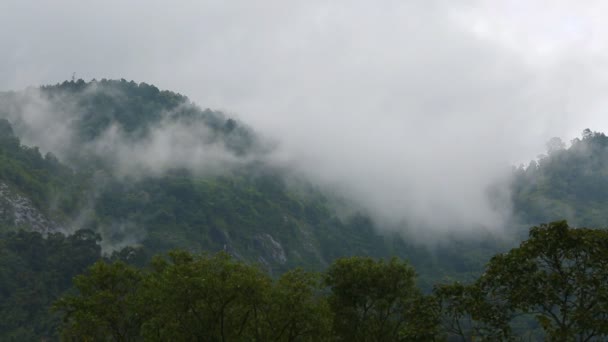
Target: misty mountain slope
<point x="36" y="192"/>
<point x="254" y="219"/>
<point x="567" y="183"/>
<point x="150" y="169"/>
<point x="107" y="123"/>
<point x="38" y="198"/>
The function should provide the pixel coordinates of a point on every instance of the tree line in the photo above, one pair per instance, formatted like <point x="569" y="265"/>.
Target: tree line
<point x="553" y="286"/>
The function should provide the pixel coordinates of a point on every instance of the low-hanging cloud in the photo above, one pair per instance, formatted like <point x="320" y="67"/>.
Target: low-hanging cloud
<point x="174" y="141"/>
<point x="169" y="145"/>
<point x="413" y="108"/>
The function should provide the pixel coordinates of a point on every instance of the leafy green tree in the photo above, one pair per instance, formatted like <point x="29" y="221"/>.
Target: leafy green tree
<point x="188" y="297"/>
<point x="469" y="314"/>
<point x="201" y="298"/>
<point x="296" y="309"/>
<point x="558" y="276"/>
<point x="105" y="307"/>
<point x="377" y="301"/>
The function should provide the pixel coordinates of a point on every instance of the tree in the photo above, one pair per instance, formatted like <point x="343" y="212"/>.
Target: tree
<point x="558" y="276"/>
<point x="203" y="298"/>
<point x="469" y="314"/>
<point x="296" y="310"/>
<point x="377" y="301"/>
<point x="35" y="270"/>
<point x="188" y="297"/>
<point x="105" y="308"/>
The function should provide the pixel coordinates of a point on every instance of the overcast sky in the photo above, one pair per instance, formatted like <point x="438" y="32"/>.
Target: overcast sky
<point x="414" y="107"/>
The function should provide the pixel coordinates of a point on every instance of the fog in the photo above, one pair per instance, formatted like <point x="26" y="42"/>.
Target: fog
<point x="53" y="124"/>
<point x="413" y="109"/>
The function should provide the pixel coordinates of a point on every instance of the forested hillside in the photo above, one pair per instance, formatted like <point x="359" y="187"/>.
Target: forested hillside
<point x="128" y="171"/>
<point x="568" y="182"/>
<point x="247" y="210"/>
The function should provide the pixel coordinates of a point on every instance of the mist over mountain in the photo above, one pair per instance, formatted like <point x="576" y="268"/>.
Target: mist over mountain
<point x="135" y="130"/>
<point x="130" y="132"/>
<point x="259" y="138"/>
<point x="386" y="104"/>
<point x="150" y="168"/>
<point x="138" y="171"/>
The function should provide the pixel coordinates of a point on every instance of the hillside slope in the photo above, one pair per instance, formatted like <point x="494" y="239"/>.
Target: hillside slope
<point x="567" y="183"/>
<point x="129" y="171"/>
<point x="230" y="200"/>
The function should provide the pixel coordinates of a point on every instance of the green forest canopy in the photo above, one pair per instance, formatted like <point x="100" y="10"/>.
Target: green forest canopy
<point x="556" y="279"/>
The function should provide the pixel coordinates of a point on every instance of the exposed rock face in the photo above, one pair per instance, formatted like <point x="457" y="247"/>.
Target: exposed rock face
<point x="270" y="249"/>
<point x="17" y="210"/>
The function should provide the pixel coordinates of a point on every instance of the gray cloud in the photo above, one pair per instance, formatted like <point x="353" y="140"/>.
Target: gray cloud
<point x="414" y="108"/>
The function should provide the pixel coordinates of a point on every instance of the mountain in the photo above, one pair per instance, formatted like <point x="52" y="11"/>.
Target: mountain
<point x="150" y="169"/>
<point x="119" y="170"/>
<point x="116" y="169"/>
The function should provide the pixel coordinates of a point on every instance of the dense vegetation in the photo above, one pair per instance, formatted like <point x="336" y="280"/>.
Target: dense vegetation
<point x="34" y="272"/>
<point x="556" y="280"/>
<point x="265" y="224"/>
<point x="199" y="298"/>
<point x="39" y="178"/>
<point x="557" y="277"/>
<point x="568" y="183"/>
<point x="248" y="211"/>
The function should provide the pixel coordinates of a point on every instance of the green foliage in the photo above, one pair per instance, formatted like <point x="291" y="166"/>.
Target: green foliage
<point x="378" y="301"/>
<point x="565" y="184"/>
<point x="34" y="272"/>
<point x="251" y="213"/>
<point x="203" y="298"/>
<point x="43" y="180"/>
<point x="106" y="307"/>
<point x="215" y="298"/>
<point x="136" y="109"/>
<point x="473" y="315"/>
<point x="297" y="311"/>
<point x="237" y="213"/>
<point x="558" y="276"/>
